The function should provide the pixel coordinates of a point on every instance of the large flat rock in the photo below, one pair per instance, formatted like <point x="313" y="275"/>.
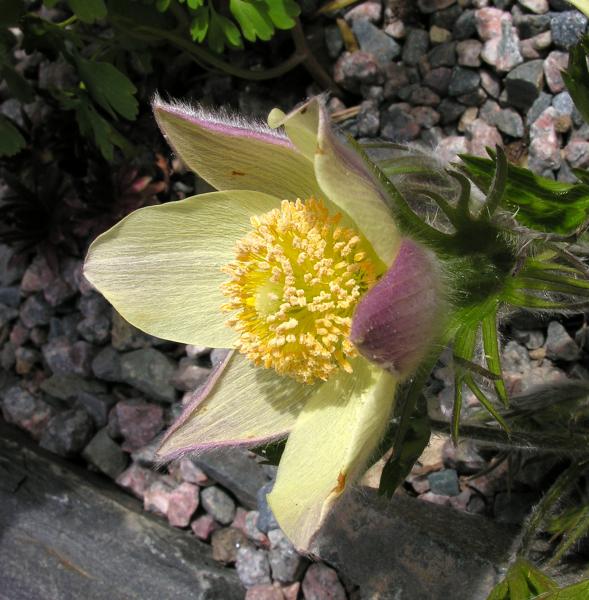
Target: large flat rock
<point x="406" y="549"/>
<point x="66" y="534"/>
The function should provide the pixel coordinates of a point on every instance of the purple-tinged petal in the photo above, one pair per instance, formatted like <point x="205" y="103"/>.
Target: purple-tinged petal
<point x="345" y="179"/>
<point x="395" y="322"/>
<point x="240" y="405"/>
<point x="342" y="175"/>
<point x="231" y="153"/>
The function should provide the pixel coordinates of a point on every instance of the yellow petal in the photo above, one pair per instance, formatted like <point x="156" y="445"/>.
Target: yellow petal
<point x="342" y="176"/>
<point x="231" y="154"/>
<point x="301" y="126"/>
<point x="346" y="180"/>
<point x="582" y="5"/>
<point x="160" y="267"/>
<point x="330" y="445"/>
<point x="240" y="404"/>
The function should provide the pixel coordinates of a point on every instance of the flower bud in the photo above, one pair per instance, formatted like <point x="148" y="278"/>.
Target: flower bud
<point x="397" y="320"/>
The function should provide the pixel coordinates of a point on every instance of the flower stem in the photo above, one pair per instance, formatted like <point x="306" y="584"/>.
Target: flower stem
<point x="201" y="55"/>
<point x="310" y="62"/>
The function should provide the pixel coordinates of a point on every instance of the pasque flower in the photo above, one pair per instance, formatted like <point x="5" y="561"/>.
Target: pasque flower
<point x="297" y="265"/>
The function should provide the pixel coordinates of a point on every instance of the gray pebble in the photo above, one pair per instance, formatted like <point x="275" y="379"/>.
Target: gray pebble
<point x="567" y="28"/>
<point x="415" y="46"/>
<point x="444" y="483"/>
<point x="374" y="40"/>
<point x="287" y="564"/>
<point x="252" y="566"/>
<point x="68" y="432"/>
<point x="105" y="454"/>
<point x="218" y="504"/>
<point x="266" y="520"/>
<point x="559" y="344"/>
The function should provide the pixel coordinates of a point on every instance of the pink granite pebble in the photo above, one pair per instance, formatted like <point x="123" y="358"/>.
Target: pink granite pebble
<point x="322" y="583"/>
<point x="488" y="22"/>
<point x="136" y="480"/>
<point x="481" y="135"/>
<point x="265" y="591"/>
<point x="239" y="519"/>
<point x="204" y="526"/>
<point x="291" y="592"/>
<point x="554" y="64"/>
<point x="252" y="531"/>
<point x="157" y="497"/>
<point x="189" y="472"/>
<point x="139" y="422"/>
<point x="182" y="504"/>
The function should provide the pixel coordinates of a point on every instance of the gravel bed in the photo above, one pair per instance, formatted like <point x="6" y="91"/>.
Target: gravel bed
<point x="449" y="76"/>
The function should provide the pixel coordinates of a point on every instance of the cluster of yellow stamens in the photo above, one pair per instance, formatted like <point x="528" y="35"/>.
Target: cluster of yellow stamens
<point x="294" y="285"/>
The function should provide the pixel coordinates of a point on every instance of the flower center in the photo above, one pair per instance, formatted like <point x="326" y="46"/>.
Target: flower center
<point x="294" y="284"/>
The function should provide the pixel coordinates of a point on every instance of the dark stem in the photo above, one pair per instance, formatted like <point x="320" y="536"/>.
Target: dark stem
<point x="311" y="63"/>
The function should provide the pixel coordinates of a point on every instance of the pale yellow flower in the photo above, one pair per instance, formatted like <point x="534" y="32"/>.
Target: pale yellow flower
<point x="274" y="265"/>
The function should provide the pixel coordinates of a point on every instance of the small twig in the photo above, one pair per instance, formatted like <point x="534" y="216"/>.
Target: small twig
<point x="343" y="115"/>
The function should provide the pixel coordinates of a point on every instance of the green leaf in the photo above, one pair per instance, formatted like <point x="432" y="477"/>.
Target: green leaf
<point x="491" y="346"/>
<point x="18" y="86"/>
<point x="536" y="202"/>
<point x="200" y="24"/>
<point x="557" y="491"/>
<point x="498" y="183"/>
<point x="576" y="78"/>
<point x="162" y="5"/>
<point x="283" y="13"/>
<point x="194" y="4"/>
<point x="577" y="591"/>
<point x="11" y="11"/>
<point x="406" y="454"/>
<point x="523" y="581"/>
<point x="222" y="30"/>
<point x="464" y="342"/>
<point x="253" y="19"/>
<point x="548" y="442"/>
<point x="88" y="11"/>
<point x="11" y="140"/>
<point x="486" y="402"/>
<point x="112" y="90"/>
<point x="577" y="530"/>
<point x="96" y="127"/>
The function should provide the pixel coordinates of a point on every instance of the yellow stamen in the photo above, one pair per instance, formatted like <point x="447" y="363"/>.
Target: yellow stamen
<point x="294" y="289"/>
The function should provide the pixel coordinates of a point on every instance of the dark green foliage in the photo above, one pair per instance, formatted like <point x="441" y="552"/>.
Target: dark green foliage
<point x="108" y="87"/>
<point x="251" y="20"/>
<point x="11" y="140"/>
<point x="408" y="440"/>
<point x="111" y="44"/>
<point x="490" y="263"/>
<point x="11" y="11"/>
<point x="88" y="11"/>
<point x="536" y="202"/>
<point x="576" y="77"/>
<point x="523" y="582"/>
